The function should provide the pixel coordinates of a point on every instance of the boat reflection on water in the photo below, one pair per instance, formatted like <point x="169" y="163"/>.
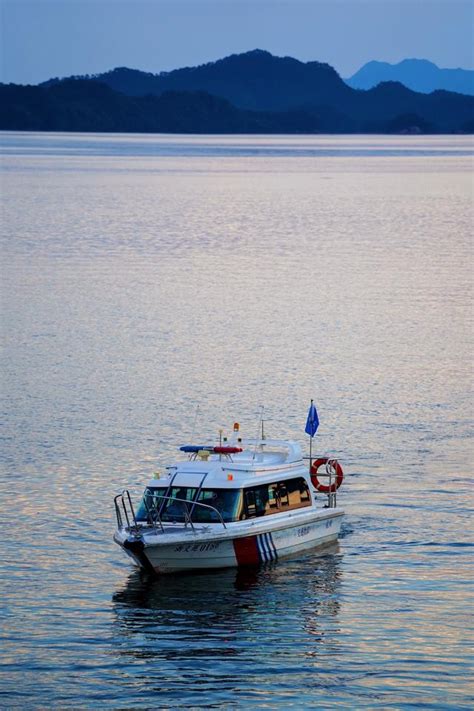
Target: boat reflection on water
<point x="283" y="609"/>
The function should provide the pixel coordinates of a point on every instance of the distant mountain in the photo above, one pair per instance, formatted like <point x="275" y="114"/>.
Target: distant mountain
<point x="88" y="105"/>
<point x="249" y="93"/>
<point x="417" y="74"/>
<point x="255" y="80"/>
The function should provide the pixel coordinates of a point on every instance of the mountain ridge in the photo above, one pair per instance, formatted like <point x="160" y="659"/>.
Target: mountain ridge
<point x="421" y="75"/>
<point x="250" y="92"/>
<point x="247" y="80"/>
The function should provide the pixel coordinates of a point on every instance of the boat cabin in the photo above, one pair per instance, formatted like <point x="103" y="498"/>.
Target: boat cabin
<point x="229" y="484"/>
<point x="233" y="504"/>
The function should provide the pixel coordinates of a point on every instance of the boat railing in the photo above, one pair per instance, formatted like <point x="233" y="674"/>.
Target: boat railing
<point x="126" y="518"/>
<point x="125" y="512"/>
<point x="330" y="471"/>
<point x="155" y="513"/>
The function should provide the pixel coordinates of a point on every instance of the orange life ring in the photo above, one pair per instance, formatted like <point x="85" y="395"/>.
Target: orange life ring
<point x="326" y="488"/>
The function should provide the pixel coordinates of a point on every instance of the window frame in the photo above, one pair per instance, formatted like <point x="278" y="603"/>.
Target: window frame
<point x="273" y="503"/>
<point x="198" y="497"/>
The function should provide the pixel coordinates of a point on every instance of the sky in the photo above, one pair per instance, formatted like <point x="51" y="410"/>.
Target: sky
<point x="41" y="39"/>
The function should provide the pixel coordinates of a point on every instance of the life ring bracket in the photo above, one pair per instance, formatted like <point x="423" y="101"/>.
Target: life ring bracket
<point x="339" y="474"/>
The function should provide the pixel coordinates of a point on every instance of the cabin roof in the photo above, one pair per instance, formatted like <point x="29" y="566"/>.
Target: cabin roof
<point x="260" y="461"/>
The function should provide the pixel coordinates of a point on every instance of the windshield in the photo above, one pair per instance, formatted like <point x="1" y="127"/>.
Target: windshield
<point x="180" y="501"/>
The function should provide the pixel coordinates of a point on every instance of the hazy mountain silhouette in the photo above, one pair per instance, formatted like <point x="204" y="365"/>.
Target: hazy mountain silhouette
<point x="255" y="80"/>
<point x="248" y="93"/>
<point x="417" y="74"/>
<point x="88" y="105"/>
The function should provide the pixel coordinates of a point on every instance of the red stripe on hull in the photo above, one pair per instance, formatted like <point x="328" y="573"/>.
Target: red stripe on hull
<point x="246" y="550"/>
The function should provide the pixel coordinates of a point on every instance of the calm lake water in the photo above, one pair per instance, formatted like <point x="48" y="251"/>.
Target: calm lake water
<point x="145" y="275"/>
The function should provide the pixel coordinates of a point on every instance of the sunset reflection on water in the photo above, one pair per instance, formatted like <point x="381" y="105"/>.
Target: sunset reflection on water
<point x="146" y="275"/>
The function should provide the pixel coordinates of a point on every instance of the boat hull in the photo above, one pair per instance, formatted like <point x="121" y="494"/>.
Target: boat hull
<point x="243" y="545"/>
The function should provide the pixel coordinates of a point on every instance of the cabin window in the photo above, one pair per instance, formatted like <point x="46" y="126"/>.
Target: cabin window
<point x="152" y="500"/>
<point x="227" y="501"/>
<point x="149" y="502"/>
<point x="179" y="505"/>
<point x="276" y="497"/>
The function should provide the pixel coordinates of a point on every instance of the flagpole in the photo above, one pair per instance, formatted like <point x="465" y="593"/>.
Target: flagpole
<point x="312" y="424"/>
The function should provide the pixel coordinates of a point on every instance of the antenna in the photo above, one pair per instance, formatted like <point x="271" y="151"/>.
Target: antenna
<point x="194" y="423"/>
<point x="259" y="427"/>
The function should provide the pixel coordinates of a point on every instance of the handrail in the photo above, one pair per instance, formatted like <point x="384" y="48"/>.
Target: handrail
<point x="154" y="514"/>
<point x="170" y="485"/>
<point x="330" y="470"/>
<point x="117" y="512"/>
<point x="126" y="505"/>
<point x="188" y="514"/>
<point x="196" y="496"/>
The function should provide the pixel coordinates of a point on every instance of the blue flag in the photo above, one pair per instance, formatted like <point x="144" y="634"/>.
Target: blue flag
<point x="312" y="422"/>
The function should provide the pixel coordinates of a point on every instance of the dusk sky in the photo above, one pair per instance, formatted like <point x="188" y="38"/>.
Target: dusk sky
<point x="45" y="38"/>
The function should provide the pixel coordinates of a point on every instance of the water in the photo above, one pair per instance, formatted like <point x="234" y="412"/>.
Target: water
<point x="145" y="275"/>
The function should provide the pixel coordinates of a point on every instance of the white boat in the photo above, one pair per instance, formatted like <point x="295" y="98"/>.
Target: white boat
<point x="238" y="503"/>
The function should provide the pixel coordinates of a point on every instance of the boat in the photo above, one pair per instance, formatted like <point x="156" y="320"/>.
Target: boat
<point x="236" y="502"/>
